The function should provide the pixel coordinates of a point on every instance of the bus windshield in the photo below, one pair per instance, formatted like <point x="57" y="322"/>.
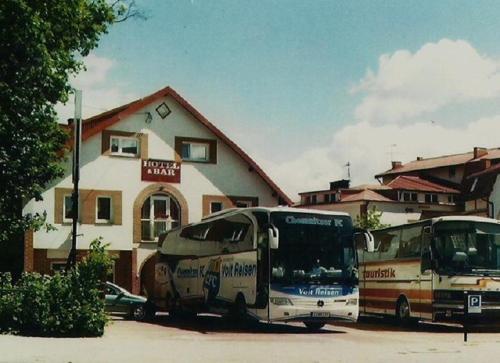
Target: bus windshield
<point x="313" y="248"/>
<point x="467" y="247"/>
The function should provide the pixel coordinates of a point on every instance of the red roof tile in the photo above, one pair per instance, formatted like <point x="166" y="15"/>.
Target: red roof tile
<point x="415" y="183"/>
<point x="440" y="161"/>
<point x="365" y="195"/>
<point x="98" y="123"/>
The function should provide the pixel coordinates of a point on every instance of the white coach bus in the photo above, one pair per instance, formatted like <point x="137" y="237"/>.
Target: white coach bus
<point x="421" y="270"/>
<point x="272" y="264"/>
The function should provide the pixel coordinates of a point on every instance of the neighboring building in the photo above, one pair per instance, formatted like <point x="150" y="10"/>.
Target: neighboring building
<point x="146" y="166"/>
<point x="420" y="189"/>
<point x="482" y="192"/>
<point x="447" y="170"/>
<point x="404" y="199"/>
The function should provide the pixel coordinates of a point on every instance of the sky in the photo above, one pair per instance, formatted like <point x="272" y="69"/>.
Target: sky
<point x="305" y="87"/>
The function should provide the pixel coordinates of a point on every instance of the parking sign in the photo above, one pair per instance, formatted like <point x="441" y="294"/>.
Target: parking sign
<point x="474" y="304"/>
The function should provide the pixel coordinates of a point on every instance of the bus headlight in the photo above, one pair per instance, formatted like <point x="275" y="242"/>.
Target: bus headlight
<point x="281" y="301"/>
<point x="352" y="301"/>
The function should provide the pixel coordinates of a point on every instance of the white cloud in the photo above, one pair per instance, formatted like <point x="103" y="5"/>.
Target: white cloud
<point x="407" y="85"/>
<point x="100" y="93"/>
<point x="400" y="98"/>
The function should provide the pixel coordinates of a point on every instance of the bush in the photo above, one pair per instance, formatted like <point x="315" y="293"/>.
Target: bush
<point x="66" y="304"/>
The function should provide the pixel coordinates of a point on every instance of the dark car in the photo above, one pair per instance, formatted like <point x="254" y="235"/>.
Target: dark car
<point x="120" y="301"/>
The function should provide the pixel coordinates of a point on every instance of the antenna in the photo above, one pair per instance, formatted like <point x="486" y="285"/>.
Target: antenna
<point x="348" y="166"/>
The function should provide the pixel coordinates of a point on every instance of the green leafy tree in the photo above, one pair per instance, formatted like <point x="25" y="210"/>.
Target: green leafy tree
<point x="42" y="43"/>
<point x="370" y="220"/>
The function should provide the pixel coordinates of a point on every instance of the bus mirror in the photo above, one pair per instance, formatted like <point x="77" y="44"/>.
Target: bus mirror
<point x="364" y="241"/>
<point x="273" y="238"/>
<point x="370" y="242"/>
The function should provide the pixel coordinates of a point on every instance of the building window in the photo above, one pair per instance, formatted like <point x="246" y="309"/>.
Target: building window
<point x="326" y="198"/>
<point x="68" y="208"/>
<point x="452" y="199"/>
<point x="408" y="197"/>
<point x="242" y="204"/>
<point x="194" y="151"/>
<point x="314" y="199"/>
<point x="452" y="171"/>
<point x="124" y="146"/>
<point x="57" y="266"/>
<point x="431" y="198"/>
<point x="159" y="213"/>
<point x="103" y="210"/>
<point x="216" y="207"/>
<point x="308" y="199"/>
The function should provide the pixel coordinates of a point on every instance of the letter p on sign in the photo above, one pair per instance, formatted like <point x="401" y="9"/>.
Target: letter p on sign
<point x="474" y="304"/>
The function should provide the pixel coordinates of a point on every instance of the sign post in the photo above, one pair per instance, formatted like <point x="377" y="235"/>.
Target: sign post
<point x="77" y="130"/>
<point x="472" y="305"/>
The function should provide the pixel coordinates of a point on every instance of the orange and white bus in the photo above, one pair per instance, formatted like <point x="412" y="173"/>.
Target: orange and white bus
<point x="421" y="270"/>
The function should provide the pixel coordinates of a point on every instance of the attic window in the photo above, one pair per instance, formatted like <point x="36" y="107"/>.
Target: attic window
<point x="163" y="110"/>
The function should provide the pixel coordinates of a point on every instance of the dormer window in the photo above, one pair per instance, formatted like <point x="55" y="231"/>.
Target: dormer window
<point x="124" y="146"/>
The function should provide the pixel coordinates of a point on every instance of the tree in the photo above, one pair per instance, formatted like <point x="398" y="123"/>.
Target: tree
<point x="370" y="220"/>
<point x="42" y="43"/>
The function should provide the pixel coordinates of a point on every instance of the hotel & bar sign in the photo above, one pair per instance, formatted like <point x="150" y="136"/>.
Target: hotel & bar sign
<point x="161" y="170"/>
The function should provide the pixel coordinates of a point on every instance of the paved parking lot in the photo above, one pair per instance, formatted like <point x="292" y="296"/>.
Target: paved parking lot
<point x="212" y="339"/>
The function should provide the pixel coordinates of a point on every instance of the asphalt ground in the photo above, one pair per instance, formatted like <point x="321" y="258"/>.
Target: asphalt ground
<point x="213" y="339"/>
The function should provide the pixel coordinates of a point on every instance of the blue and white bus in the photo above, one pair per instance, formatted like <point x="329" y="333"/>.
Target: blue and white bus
<point x="272" y="264"/>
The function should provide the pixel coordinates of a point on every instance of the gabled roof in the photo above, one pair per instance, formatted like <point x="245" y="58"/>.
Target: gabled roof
<point x="440" y="161"/>
<point x="363" y="195"/>
<point x="416" y="183"/>
<point x="98" y="123"/>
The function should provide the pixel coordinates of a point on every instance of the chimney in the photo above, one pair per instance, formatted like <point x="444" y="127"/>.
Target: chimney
<point x="480" y="151"/>
<point x="70" y="121"/>
<point x="396" y="164"/>
<point x="419" y="158"/>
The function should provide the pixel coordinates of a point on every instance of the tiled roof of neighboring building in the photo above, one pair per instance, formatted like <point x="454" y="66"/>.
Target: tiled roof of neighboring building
<point x="365" y="194"/>
<point x="416" y="183"/>
<point x="98" y="123"/>
<point x="440" y="161"/>
<point x="495" y="169"/>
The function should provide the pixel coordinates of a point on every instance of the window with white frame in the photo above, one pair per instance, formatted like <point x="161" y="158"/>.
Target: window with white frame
<point x="408" y="197"/>
<point x="159" y="213"/>
<point x="124" y="146"/>
<point x="104" y="212"/>
<point x="68" y="208"/>
<point x="216" y="207"/>
<point x="195" y="151"/>
<point x="431" y="198"/>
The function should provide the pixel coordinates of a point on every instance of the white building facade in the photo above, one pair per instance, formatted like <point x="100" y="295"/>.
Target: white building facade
<point x="146" y="167"/>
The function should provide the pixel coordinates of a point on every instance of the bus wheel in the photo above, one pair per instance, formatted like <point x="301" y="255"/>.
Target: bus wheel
<point x="314" y="325"/>
<point x="403" y="311"/>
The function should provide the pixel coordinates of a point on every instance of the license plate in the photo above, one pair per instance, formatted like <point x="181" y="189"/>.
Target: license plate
<point x="320" y="314"/>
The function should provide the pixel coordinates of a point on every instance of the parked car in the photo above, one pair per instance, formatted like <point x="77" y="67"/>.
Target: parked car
<point x="120" y="301"/>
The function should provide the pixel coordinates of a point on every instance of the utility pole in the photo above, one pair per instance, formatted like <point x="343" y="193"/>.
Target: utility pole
<point x="77" y="131"/>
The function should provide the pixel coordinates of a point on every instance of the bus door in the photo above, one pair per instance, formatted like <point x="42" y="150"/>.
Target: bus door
<point x="426" y="275"/>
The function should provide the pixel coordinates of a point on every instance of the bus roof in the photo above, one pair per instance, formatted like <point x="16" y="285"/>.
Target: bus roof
<point x="460" y="218"/>
<point x="464" y="219"/>
<point x="231" y="211"/>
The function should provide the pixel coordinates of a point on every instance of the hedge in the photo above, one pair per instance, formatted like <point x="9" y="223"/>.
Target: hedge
<point x="66" y="304"/>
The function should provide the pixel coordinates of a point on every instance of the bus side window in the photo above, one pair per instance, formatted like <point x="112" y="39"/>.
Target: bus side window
<point x="411" y="238"/>
<point x="389" y="244"/>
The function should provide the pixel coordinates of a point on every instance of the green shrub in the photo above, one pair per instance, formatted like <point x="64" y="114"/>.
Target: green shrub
<point x="66" y="304"/>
